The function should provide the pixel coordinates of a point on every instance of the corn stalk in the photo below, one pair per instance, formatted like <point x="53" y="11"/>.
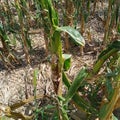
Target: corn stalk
<point x="45" y="22"/>
<point x="55" y="46"/>
<point x="69" y="8"/>
<point x="107" y="22"/>
<point x="24" y="31"/>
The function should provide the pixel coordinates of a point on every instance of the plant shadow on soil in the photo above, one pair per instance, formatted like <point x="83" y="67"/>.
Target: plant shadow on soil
<point x="37" y="56"/>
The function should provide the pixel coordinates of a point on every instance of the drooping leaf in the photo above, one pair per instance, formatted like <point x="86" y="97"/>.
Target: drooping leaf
<point x="113" y="48"/>
<point x="73" y="33"/>
<point x="113" y="45"/>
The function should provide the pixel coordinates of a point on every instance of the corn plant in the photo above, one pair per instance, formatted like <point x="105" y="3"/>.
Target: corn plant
<point x="5" y="52"/>
<point x="110" y="81"/>
<point x="94" y="92"/>
<point x="112" y="17"/>
<point x="24" y="31"/>
<point x="45" y="21"/>
<point x="10" y="25"/>
<point x="108" y="21"/>
<point x="56" y="51"/>
<point x="82" y="12"/>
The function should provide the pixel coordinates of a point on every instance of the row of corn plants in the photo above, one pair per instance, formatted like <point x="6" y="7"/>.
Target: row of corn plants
<point x="103" y="88"/>
<point x="18" y="16"/>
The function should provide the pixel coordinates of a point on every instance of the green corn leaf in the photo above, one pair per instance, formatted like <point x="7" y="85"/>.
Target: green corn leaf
<point x="60" y="98"/>
<point x="117" y="13"/>
<point x="114" y="118"/>
<point x="4" y="35"/>
<point x="76" y="84"/>
<point x="52" y="13"/>
<point x="73" y="33"/>
<point x="113" y="45"/>
<point x="103" y="110"/>
<point x="88" y="4"/>
<point x="56" y="45"/>
<point x="49" y="106"/>
<point x="77" y="99"/>
<point x="66" y="80"/>
<point x="67" y="61"/>
<point x="1" y="26"/>
<point x="28" y="40"/>
<point x="110" y="90"/>
<point x="107" y="109"/>
<point x="64" y="114"/>
<point x="111" y="50"/>
<point x="83" y="105"/>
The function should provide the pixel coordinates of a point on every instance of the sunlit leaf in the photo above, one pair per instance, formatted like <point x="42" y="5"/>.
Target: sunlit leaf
<point x="73" y="33"/>
<point x="114" y="118"/>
